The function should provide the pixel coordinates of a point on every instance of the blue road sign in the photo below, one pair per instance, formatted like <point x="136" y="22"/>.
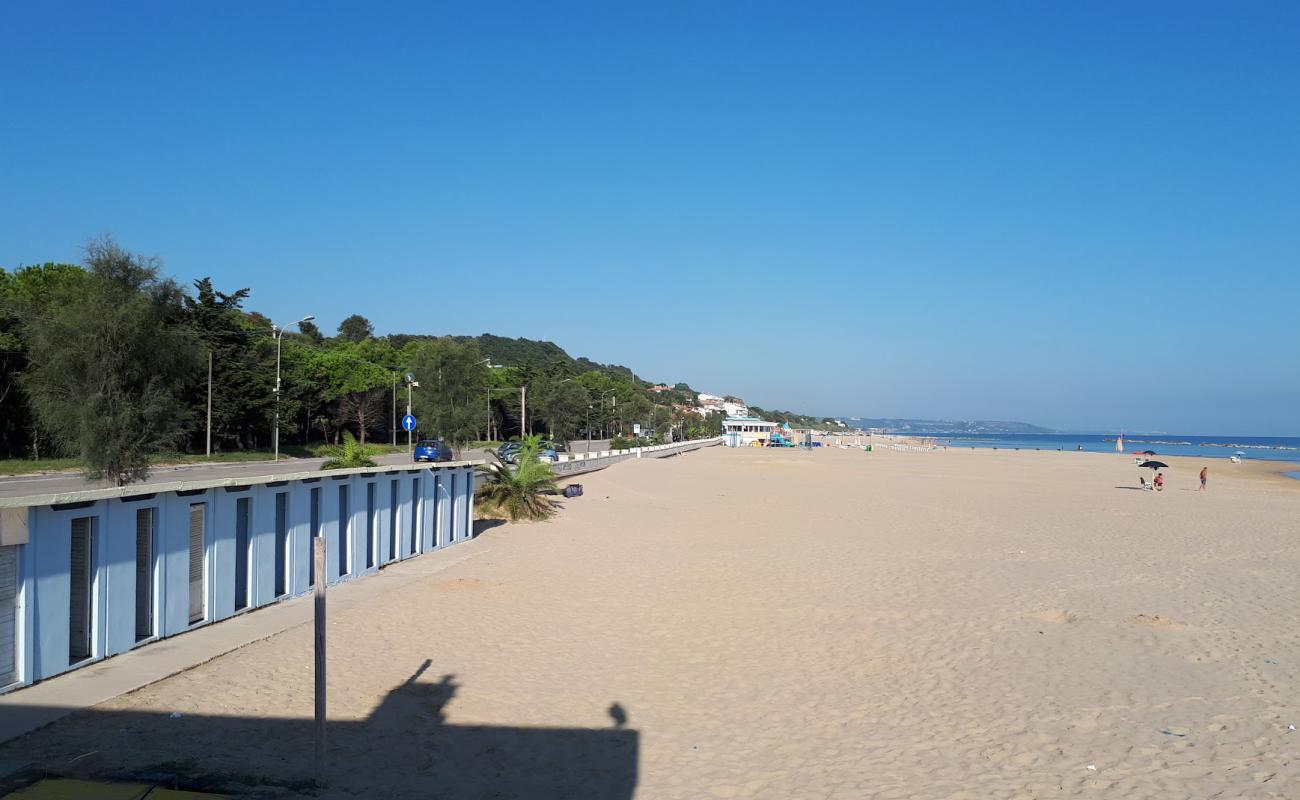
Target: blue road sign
<point x="408" y="423"/>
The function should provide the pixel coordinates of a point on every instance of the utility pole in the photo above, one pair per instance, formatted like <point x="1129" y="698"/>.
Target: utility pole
<point x="394" y="409"/>
<point x="208" y="449"/>
<point x="523" y="410"/>
<point x="410" y="383"/>
<point x="279" y="337"/>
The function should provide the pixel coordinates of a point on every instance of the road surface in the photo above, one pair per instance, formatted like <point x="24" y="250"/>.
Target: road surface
<point x="24" y="485"/>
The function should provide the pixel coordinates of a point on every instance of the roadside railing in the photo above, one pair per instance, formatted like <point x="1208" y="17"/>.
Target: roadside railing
<point x="578" y="463"/>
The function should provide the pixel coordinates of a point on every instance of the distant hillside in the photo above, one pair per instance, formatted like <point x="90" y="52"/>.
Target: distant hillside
<point x="532" y="353"/>
<point x="947" y="426"/>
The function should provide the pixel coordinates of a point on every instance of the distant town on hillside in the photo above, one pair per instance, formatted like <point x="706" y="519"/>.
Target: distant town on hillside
<point x="944" y="426"/>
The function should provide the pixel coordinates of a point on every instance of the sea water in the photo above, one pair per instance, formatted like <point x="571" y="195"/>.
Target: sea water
<point x="1271" y="448"/>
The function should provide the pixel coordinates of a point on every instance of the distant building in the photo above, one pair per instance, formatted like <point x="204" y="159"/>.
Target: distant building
<point x="744" y="431"/>
<point x="735" y="409"/>
<point x="662" y="387"/>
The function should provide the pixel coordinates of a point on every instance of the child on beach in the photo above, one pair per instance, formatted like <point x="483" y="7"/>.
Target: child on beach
<point x="1205" y="473"/>
<point x="1160" y="481"/>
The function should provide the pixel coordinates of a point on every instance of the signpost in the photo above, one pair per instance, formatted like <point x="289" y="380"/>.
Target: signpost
<point x="408" y="425"/>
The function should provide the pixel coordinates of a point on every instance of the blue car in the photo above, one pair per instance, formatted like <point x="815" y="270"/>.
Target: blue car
<point x="431" y="450"/>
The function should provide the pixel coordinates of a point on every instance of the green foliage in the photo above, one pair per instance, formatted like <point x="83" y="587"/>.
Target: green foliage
<point x="109" y="363"/>
<point x="327" y="386"/>
<point x="520" y="493"/>
<point x="561" y="404"/>
<point x="356" y="328"/>
<point x="350" y="455"/>
<point x="24" y="293"/>
<point x="452" y="399"/>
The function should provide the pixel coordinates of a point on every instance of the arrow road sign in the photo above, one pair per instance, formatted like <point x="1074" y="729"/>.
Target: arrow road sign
<point x="408" y="423"/>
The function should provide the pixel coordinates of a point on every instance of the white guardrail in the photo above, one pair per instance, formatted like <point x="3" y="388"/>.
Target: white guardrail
<point x="577" y="463"/>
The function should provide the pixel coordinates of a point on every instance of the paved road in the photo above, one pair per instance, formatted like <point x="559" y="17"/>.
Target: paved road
<point x="23" y="485"/>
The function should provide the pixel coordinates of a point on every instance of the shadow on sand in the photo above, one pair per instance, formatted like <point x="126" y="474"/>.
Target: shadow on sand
<point x="405" y="748"/>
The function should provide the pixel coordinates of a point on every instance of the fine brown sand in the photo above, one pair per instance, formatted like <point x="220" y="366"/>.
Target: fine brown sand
<point x="787" y="624"/>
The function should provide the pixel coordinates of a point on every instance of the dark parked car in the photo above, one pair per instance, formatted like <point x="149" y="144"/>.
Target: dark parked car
<point x="431" y="450"/>
<point x="509" y="452"/>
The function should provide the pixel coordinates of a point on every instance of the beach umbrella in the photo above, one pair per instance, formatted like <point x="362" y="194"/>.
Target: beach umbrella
<point x="1153" y="465"/>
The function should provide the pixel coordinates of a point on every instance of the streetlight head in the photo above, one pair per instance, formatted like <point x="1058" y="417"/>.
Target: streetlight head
<point x="410" y="377"/>
<point x="308" y="318"/>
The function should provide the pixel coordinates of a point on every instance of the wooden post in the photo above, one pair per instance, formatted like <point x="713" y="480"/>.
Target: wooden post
<point x="318" y="557"/>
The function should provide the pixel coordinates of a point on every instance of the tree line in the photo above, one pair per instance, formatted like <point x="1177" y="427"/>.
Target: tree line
<point x="115" y="363"/>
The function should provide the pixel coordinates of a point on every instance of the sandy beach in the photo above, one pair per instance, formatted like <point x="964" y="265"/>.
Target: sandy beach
<point x="780" y="624"/>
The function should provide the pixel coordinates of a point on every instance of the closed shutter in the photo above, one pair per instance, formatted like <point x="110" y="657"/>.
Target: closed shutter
<point x="241" y="552"/>
<point x="143" y="573"/>
<point x="392" y="521"/>
<point x="345" y="531"/>
<point x="451" y="528"/>
<point x="415" y="516"/>
<point x="8" y="614"/>
<point x="196" y="563"/>
<point x="370" y="525"/>
<point x="79" y="591"/>
<point x="281" y="543"/>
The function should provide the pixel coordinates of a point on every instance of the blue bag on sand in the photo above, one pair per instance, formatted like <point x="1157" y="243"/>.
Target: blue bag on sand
<point x="573" y="490"/>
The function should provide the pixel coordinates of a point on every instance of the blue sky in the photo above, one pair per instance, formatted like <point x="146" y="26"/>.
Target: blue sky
<point x="1082" y="216"/>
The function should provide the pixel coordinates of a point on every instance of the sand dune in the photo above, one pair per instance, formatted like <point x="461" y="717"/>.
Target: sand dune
<point x="829" y="624"/>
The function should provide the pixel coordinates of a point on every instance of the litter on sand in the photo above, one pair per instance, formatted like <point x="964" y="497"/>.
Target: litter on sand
<point x="1092" y="767"/>
<point x="1168" y="732"/>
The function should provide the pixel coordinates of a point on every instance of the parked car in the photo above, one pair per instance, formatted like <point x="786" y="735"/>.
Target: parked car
<point x="509" y="452"/>
<point x="431" y="450"/>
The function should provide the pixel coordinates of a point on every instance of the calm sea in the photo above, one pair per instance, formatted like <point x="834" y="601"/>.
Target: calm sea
<point x="1272" y="448"/>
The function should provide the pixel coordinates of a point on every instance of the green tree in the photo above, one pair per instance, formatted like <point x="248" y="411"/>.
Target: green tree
<point x="312" y="331"/>
<point x="243" y="368"/>
<point x="344" y="380"/>
<point x="356" y="328"/>
<point x="25" y="293"/>
<point x="109" y="363"/>
<point x="562" y="405"/>
<point x="452" y="398"/>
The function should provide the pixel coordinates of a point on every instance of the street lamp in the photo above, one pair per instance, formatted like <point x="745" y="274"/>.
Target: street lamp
<point x="279" y="337"/>
<point x="410" y="382"/>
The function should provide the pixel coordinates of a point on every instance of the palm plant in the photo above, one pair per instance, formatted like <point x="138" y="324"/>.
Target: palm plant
<point x="522" y="492"/>
<point x="349" y="455"/>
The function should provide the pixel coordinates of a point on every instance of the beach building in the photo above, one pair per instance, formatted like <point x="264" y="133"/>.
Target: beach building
<point x="90" y="574"/>
<point x="744" y="431"/>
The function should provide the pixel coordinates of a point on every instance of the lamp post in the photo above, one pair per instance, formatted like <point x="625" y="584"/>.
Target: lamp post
<point x="410" y="383"/>
<point x="279" y="338"/>
<point x="589" y="427"/>
<point x="613" y="404"/>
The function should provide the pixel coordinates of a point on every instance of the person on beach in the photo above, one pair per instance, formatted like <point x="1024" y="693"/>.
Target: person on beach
<point x="1205" y="475"/>
<point x="1160" y="481"/>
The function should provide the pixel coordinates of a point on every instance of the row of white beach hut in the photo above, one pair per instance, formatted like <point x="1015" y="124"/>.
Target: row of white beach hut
<point x="87" y="575"/>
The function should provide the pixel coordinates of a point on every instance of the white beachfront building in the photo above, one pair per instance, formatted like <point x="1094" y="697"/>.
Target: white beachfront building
<point x="744" y="431"/>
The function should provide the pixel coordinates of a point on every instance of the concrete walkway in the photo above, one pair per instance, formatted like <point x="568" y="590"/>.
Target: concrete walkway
<point x="35" y="706"/>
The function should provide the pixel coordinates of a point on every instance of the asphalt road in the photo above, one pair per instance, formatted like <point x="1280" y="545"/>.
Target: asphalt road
<point x="23" y="485"/>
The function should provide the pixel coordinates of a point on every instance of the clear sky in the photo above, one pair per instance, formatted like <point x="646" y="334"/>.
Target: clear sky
<point x="1080" y="215"/>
